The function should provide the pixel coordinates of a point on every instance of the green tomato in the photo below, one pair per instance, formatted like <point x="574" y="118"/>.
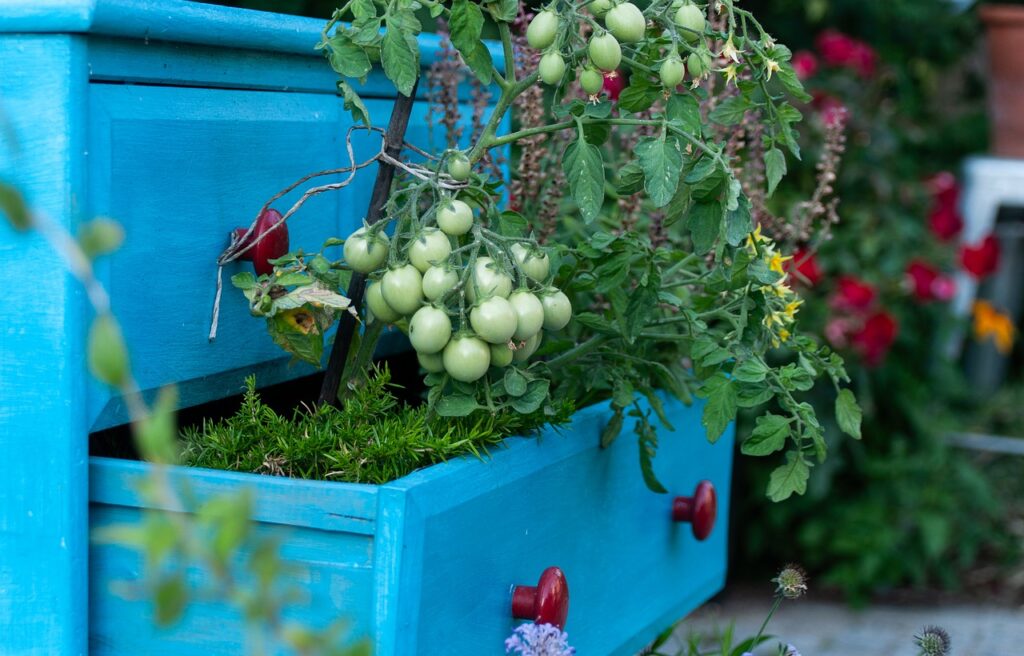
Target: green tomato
<point x="402" y="289"/>
<point x="672" y="72"/>
<point x="592" y="81"/>
<point x="432" y="246"/>
<point x="557" y="310"/>
<point x="459" y="167"/>
<point x="523" y="353"/>
<point x="378" y="307"/>
<point x="466" y="358"/>
<point x="542" y="30"/>
<point x="455" y="218"/>
<point x="432" y="362"/>
<point x="501" y="355"/>
<point x="489" y="280"/>
<point x="494" y="320"/>
<point x="533" y="262"/>
<point x="698" y="64"/>
<point x="429" y="329"/>
<point x="605" y="52"/>
<point x="552" y="68"/>
<point x="366" y="253"/>
<point x="691" y="19"/>
<point x="438" y="281"/>
<point x="600" y="7"/>
<point x="529" y="314"/>
<point x="626" y="22"/>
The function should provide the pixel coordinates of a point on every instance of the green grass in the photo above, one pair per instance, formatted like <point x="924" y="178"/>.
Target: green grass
<point x="372" y="439"/>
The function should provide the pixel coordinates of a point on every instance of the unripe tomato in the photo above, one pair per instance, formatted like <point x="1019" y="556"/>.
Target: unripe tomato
<point x="459" y="167"/>
<point x="691" y="19"/>
<point x="488" y="279"/>
<point x="557" y="310"/>
<point x="402" y="289"/>
<point x="438" y="281"/>
<point x="592" y="81"/>
<point x="672" y="71"/>
<point x="533" y="262"/>
<point x="466" y="358"/>
<point x="698" y="64"/>
<point x="600" y="7"/>
<point x="626" y="22"/>
<point x="432" y="362"/>
<point x="501" y="355"/>
<point x="429" y="329"/>
<point x="605" y="52"/>
<point x="494" y="320"/>
<point x="378" y="307"/>
<point x="552" y="68"/>
<point x="542" y="30"/>
<point x="529" y="314"/>
<point x="455" y="218"/>
<point x="523" y="353"/>
<point x="431" y="247"/>
<point x="365" y="253"/>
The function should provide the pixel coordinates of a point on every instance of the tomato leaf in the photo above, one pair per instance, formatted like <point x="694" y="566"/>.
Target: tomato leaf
<point x="738" y="222"/>
<point x="456" y="405"/>
<point x="720" y="408"/>
<point x="13" y="205"/>
<point x="704" y="222"/>
<point x="400" y="52"/>
<point x="730" y="111"/>
<point x="353" y="103"/>
<point x="647" y="438"/>
<point x="775" y="168"/>
<point x="467" y="22"/>
<point x="662" y="163"/>
<point x="848" y="413"/>
<point x="789" y="478"/>
<point x="584" y="168"/>
<point x="346" y="57"/>
<point x="769" y="436"/>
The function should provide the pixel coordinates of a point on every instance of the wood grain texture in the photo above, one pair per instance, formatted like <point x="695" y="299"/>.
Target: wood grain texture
<point x="449" y="542"/>
<point x="43" y="489"/>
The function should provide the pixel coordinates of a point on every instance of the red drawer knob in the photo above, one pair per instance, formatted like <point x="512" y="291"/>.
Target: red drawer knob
<point x="547" y="603"/>
<point x="271" y="247"/>
<point x="699" y="510"/>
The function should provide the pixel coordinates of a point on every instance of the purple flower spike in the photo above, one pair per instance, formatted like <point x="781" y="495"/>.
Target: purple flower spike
<point x="539" y="640"/>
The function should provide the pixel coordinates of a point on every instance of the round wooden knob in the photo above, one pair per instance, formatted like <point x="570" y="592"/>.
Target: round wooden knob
<point x="699" y="510"/>
<point x="271" y="247"/>
<point x="547" y="603"/>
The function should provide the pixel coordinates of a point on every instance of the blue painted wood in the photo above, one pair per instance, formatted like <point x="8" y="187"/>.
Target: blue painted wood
<point x="434" y="570"/>
<point x="43" y="490"/>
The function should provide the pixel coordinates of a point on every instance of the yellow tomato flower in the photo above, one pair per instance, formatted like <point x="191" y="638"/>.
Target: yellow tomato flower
<point x="771" y="66"/>
<point x="776" y="262"/>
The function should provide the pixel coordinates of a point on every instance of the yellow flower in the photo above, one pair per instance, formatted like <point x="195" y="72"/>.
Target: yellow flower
<point x="990" y="322"/>
<point x="729" y="52"/>
<point x="776" y="261"/>
<point x="784" y="335"/>
<point x="755" y="238"/>
<point x="730" y="73"/>
<point x="792" y="307"/>
<point x="771" y="66"/>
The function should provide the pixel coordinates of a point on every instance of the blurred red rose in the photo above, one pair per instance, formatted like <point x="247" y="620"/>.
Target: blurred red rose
<point x="927" y="283"/>
<point x="945" y="189"/>
<point x="875" y="337"/>
<point x="853" y="294"/>
<point x="805" y="64"/>
<point x="863" y="59"/>
<point x="805" y="265"/>
<point x="945" y="222"/>
<point x="614" y="84"/>
<point x="838" y="49"/>
<point x="981" y="259"/>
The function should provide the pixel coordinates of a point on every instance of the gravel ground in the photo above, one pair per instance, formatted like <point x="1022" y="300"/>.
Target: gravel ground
<point x="828" y="628"/>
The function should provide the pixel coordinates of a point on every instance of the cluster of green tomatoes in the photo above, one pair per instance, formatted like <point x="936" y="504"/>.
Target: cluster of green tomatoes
<point x="469" y="298"/>
<point x="624" y="22"/>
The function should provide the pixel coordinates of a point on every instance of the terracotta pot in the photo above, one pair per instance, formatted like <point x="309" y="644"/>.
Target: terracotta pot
<point x="1005" y="28"/>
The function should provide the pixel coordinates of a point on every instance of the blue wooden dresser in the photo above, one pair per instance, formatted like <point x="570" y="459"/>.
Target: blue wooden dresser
<point x="180" y="119"/>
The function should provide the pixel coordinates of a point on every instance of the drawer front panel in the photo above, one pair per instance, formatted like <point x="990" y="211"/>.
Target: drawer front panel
<point x="631" y="571"/>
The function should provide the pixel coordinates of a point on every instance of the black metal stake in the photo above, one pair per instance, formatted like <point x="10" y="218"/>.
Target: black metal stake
<point x="375" y="212"/>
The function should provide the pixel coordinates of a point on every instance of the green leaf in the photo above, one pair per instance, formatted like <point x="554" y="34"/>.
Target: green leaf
<point x="169" y="600"/>
<point x="631" y="179"/>
<point x="730" y="111"/>
<point x="584" y="169"/>
<point x="752" y="370"/>
<point x="99" y="237"/>
<point x="738" y="222"/>
<point x="536" y="394"/>
<point x="12" y="204"/>
<point x="614" y="427"/>
<point x="107" y="353"/>
<point x="787" y="76"/>
<point x="503" y="11"/>
<point x="639" y="96"/>
<point x="515" y="382"/>
<point x="400" y="56"/>
<point x="683" y="111"/>
<point x="347" y="58"/>
<point x="720" y="408"/>
<point x="456" y="405"/>
<point x="705" y="220"/>
<point x="467" y="23"/>
<point x="848" y="413"/>
<point x="789" y="478"/>
<point x="775" y="168"/>
<point x="157" y="435"/>
<point x="647" y="440"/>
<point x="769" y="436"/>
<point x="353" y="103"/>
<point x="662" y="162"/>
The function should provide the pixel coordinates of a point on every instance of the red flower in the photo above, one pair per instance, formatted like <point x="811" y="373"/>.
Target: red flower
<point x="875" y="337"/>
<point x="926" y="283"/>
<point x="945" y="189"/>
<point x="614" y="84"/>
<point x="853" y="295"/>
<point x="806" y="266"/>
<point x="829" y="107"/>
<point x="838" y="49"/>
<point x="863" y="59"/>
<point x="944" y="288"/>
<point x="805" y="64"/>
<point x="945" y="222"/>
<point x="982" y="259"/>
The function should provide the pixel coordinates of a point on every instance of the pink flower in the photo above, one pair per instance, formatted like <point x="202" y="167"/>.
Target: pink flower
<point x="944" y="188"/>
<point x="981" y="259"/>
<point x="853" y="295"/>
<point x="944" y="288"/>
<point x="837" y="330"/>
<point x="614" y="84"/>
<point x="863" y="59"/>
<point x="838" y="49"/>
<point x="805" y="64"/>
<point x="927" y="283"/>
